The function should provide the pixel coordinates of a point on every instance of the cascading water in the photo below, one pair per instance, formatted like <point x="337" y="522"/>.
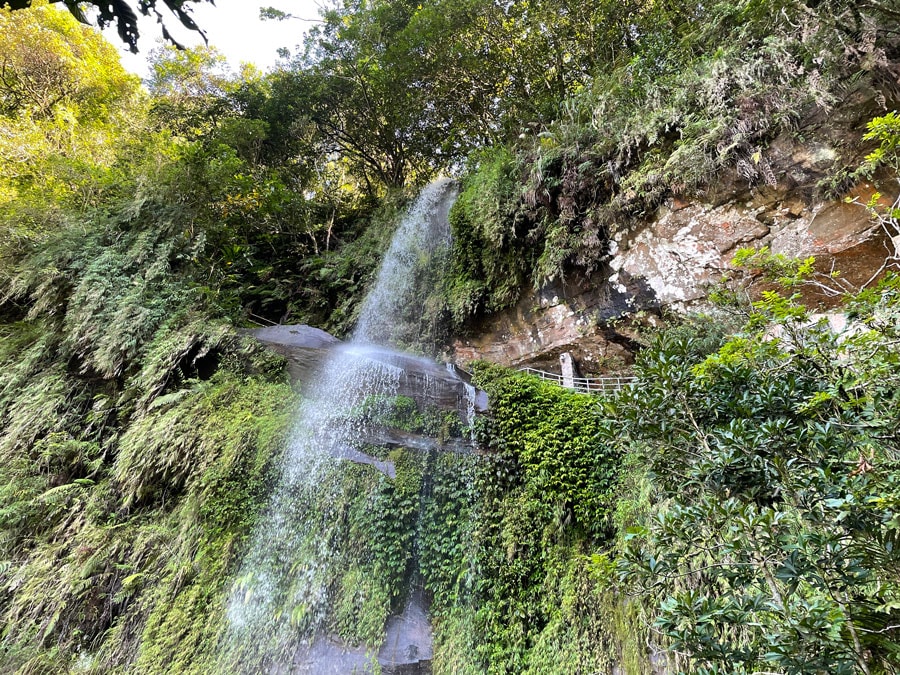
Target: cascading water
<point x="424" y="230"/>
<point x="281" y="599"/>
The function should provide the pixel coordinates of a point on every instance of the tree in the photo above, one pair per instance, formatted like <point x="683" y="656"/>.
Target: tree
<point x="48" y="60"/>
<point x="773" y="545"/>
<point x="122" y="13"/>
<point x="366" y="103"/>
<point x="66" y="108"/>
<point x="190" y="89"/>
<point x="403" y="88"/>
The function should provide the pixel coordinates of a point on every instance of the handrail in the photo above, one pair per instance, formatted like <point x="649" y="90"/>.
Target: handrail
<point x="587" y="385"/>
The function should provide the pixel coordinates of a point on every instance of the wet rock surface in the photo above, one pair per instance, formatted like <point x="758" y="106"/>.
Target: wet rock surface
<point x="297" y="336"/>
<point x="429" y="383"/>
<point x="330" y="656"/>
<point x="349" y="391"/>
<point x="303" y="346"/>
<point x="395" y="438"/>
<point x="407" y="648"/>
<point x="351" y="454"/>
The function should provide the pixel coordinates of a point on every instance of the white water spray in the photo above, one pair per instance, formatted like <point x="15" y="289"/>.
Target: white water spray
<point x="274" y="600"/>
<point x="424" y="230"/>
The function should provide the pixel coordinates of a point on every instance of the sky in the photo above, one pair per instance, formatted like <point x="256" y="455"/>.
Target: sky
<point x="232" y="26"/>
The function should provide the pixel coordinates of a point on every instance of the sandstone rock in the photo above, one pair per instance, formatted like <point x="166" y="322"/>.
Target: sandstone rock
<point x="568" y="316"/>
<point x="669" y="261"/>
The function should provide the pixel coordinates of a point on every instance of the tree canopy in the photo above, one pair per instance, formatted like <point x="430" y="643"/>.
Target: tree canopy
<point x="67" y="108"/>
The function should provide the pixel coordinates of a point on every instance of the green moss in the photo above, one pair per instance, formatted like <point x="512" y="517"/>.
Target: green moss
<point x="508" y="540"/>
<point x="490" y="259"/>
<point x="403" y="413"/>
<point x="591" y="628"/>
<point x="137" y="445"/>
<point x="555" y="436"/>
<point x="153" y="578"/>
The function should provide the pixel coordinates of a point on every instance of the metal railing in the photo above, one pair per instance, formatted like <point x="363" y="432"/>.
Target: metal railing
<point x="607" y="384"/>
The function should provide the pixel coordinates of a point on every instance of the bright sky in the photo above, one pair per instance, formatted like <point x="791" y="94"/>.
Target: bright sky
<point x="232" y="26"/>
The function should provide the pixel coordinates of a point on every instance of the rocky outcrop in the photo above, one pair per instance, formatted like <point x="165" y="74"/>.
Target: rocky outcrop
<point x="669" y="261"/>
<point x="688" y="246"/>
<point x="390" y="438"/>
<point x="429" y="383"/>
<point x="374" y="373"/>
<point x="303" y="347"/>
<point x="577" y="316"/>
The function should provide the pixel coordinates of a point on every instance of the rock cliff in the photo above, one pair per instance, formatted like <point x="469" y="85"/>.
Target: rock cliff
<point x="798" y="197"/>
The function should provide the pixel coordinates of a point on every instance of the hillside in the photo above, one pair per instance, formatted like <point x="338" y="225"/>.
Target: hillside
<point x="702" y="195"/>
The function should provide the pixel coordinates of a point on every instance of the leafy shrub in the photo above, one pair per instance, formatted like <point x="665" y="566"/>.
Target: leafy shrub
<point x="784" y="444"/>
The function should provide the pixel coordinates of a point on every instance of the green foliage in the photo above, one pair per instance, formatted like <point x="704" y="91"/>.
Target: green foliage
<point x="553" y="435"/>
<point x="402" y="412"/>
<point x="786" y="272"/>
<point x="353" y="561"/>
<point x="781" y="438"/>
<point x="238" y="434"/>
<point x="138" y="431"/>
<point x="131" y="473"/>
<point x="92" y="572"/>
<point x="488" y="265"/>
<point x="331" y="283"/>
<point x="754" y="516"/>
<point x="745" y="491"/>
<point x="885" y="130"/>
<point x="403" y="89"/>
<point x="54" y="67"/>
<point x="190" y="88"/>
<point x="505" y="541"/>
<point x="446" y="544"/>
<point x="581" y="597"/>
<point x="65" y="105"/>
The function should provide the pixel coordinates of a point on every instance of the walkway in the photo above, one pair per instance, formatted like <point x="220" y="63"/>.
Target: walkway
<point x="608" y="384"/>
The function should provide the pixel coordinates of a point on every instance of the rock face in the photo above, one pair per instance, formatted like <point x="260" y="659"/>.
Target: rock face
<point x="408" y="644"/>
<point x="429" y="383"/>
<point x="688" y="246"/>
<point x="385" y="437"/>
<point x="303" y="347"/>
<point x="563" y="317"/>
<point x="423" y="380"/>
<point x="406" y="650"/>
<point x="670" y="260"/>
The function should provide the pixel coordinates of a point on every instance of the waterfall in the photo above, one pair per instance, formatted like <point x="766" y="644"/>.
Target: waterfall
<point x="276" y="602"/>
<point x="424" y="230"/>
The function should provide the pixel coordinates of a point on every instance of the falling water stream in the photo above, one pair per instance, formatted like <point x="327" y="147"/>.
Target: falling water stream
<point x="273" y="595"/>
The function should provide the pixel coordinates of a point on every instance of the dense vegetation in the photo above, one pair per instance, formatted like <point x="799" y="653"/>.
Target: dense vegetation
<point x="704" y="90"/>
<point x="735" y="512"/>
<point x="787" y="445"/>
